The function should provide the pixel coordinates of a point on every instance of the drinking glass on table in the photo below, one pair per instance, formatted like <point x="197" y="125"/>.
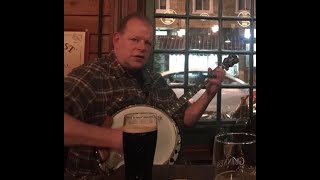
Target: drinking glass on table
<point x="234" y="156"/>
<point x="139" y="144"/>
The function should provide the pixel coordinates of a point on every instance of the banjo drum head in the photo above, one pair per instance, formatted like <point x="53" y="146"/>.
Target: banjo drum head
<point x="168" y="141"/>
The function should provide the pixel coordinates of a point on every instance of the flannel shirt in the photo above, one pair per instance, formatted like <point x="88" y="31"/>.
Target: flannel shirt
<point x="98" y="89"/>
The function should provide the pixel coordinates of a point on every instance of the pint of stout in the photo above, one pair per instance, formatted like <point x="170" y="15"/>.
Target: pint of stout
<point x="139" y="144"/>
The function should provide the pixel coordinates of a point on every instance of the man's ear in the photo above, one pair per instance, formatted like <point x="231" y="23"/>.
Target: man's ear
<point x="116" y="37"/>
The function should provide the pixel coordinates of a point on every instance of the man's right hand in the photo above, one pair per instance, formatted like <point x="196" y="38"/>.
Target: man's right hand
<point x="104" y="153"/>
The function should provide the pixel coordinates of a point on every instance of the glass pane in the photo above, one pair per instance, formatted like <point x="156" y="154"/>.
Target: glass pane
<point x="203" y="34"/>
<point x="255" y="9"/>
<point x="254" y="69"/>
<point x="171" y="67"/>
<point x="170" y="36"/>
<point x="229" y="8"/>
<point x="242" y="69"/>
<point x="202" y="61"/>
<point x="170" y="7"/>
<point x="231" y="99"/>
<point x="254" y="35"/>
<point x="168" y="63"/>
<point x="247" y="35"/>
<point x="162" y="4"/>
<point x="198" y="65"/>
<point x="234" y="36"/>
<point x="254" y="101"/>
<point x="203" y="7"/>
<point x="238" y="8"/>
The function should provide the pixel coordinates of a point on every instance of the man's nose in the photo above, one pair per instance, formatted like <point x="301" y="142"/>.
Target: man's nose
<point x="141" y="45"/>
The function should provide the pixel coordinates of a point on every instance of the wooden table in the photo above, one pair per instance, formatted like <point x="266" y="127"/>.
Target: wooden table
<point x="173" y="172"/>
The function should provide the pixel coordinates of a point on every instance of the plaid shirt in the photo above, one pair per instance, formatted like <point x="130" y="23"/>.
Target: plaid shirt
<point x="95" y="90"/>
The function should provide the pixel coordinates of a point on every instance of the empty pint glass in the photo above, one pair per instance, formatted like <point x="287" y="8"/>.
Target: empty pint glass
<point x="234" y="156"/>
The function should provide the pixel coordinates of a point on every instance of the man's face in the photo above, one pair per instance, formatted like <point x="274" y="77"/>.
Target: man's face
<point x="133" y="46"/>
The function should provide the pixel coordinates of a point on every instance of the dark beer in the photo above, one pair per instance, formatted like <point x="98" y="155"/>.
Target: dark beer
<point x="139" y="144"/>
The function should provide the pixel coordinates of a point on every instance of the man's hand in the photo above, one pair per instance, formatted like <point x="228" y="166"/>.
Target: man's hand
<point x="107" y="122"/>
<point x="104" y="153"/>
<point x="215" y="82"/>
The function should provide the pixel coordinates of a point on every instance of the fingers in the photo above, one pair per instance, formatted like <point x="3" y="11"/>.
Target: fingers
<point x="217" y="74"/>
<point x="213" y="85"/>
<point x="107" y="121"/>
<point x="104" y="154"/>
<point x="211" y="73"/>
<point x="214" y="81"/>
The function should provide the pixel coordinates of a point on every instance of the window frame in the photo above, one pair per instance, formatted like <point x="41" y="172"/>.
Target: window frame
<point x="150" y="12"/>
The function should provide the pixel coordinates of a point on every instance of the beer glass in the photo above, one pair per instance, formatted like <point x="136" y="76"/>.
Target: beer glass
<point x="139" y="144"/>
<point x="234" y="156"/>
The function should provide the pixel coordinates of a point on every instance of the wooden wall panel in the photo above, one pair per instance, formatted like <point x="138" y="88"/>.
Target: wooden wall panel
<point x="106" y="43"/>
<point x="84" y="14"/>
<point x="88" y="22"/>
<point x="94" y="56"/>
<point x="87" y="7"/>
<point x="132" y="6"/>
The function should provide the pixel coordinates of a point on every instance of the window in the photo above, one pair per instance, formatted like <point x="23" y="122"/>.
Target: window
<point x="202" y="6"/>
<point x="162" y="5"/>
<point x="183" y="60"/>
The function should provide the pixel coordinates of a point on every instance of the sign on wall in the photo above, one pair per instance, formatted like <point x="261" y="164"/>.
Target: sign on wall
<point x="75" y="49"/>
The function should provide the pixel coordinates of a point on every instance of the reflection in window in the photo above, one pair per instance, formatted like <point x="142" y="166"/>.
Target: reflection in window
<point x="244" y="5"/>
<point x="247" y="33"/>
<point x="162" y="5"/>
<point x="202" y="6"/>
<point x="254" y="57"/>
<point x="203" y="38"/>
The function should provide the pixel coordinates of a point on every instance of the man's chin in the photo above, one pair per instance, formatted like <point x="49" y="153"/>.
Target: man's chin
<point x="137" y="65"/>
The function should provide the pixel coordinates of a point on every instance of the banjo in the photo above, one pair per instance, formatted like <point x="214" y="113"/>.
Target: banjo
<point x="169" y="138"/>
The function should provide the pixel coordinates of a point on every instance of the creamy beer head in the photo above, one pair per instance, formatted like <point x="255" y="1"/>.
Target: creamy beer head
<point x="136" y="128"/>
<point x="140" y="122"/>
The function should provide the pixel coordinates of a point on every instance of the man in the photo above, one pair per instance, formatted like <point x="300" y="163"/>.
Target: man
<point x="95" y="91"/>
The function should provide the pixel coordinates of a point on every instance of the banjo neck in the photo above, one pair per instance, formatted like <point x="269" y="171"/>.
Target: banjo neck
<point x="174" y="107"/>
<point x="103" y="155"/>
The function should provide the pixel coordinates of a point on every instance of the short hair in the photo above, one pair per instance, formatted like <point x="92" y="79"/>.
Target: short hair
<point x="125" y="20"/>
